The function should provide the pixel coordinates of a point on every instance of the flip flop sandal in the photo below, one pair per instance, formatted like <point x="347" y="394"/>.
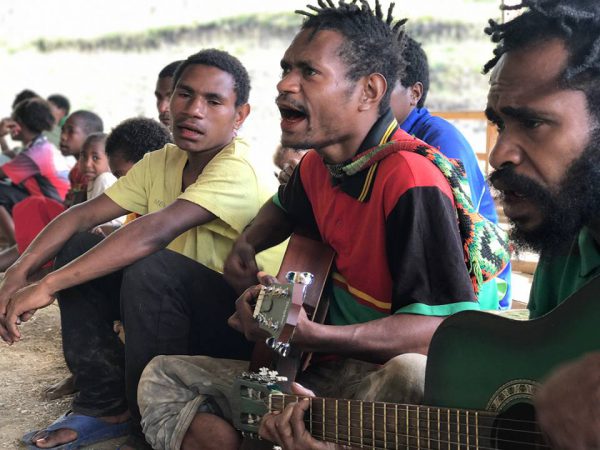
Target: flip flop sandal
<point x="89" y="431"/>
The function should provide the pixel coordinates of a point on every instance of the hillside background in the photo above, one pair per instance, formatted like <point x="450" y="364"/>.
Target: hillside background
<point x="105" y="56"/>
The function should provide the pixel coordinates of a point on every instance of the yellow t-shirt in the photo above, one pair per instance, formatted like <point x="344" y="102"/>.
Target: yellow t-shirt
<point x="228" y="187"/>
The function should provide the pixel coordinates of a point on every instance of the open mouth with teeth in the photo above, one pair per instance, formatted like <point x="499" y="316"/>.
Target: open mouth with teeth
<point x="290" y="115"/>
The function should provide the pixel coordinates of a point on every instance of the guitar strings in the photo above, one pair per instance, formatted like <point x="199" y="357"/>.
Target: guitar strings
<point x="453" y="424"/>
<point x="369" y="432"/>
<point x="392" y="407"/>
<point x="423" y="421"/>
<point x="380" y="444"/>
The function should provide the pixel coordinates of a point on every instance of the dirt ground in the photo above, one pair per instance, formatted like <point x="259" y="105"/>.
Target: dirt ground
<point x="26" y="368"/>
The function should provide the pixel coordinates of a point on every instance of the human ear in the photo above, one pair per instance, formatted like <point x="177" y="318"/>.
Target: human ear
<point x="416" y="92"/>
<point x="374" y="88"/>
<point x="241" y="113"/>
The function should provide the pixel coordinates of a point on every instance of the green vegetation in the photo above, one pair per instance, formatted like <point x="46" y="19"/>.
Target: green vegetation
<point x="246" y="27"/>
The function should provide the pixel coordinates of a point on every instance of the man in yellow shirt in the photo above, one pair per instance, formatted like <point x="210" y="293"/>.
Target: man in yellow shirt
<point x="195" y="198"/>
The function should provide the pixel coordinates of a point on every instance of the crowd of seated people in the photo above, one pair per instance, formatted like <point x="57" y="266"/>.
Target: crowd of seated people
<point x="167" y="228"/>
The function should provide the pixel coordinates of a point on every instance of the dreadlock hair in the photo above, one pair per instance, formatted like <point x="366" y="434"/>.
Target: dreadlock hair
<point x="132" y="138"/>
<point x="372" y="43"/>
<point x="575" y="22"/>
<point x="417" y="68"/>
<point x="227" y="63"/>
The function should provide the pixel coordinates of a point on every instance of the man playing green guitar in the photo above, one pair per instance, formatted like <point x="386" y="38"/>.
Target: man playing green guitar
<point x="545" y="99"/>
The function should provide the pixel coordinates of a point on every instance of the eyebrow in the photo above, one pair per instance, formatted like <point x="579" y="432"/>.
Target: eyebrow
<point x="207" y="95"/>
<point x="184" y="87"/>
<point x="521" y="113"/>
<point x="300" y="64"/>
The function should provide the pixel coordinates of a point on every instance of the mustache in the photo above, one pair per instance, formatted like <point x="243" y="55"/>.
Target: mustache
<point x="506" y="179"/>
<point x="284" y="98"/>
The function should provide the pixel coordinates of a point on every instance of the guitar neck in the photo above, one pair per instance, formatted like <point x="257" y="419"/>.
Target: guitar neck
<point x="391" y="426"/>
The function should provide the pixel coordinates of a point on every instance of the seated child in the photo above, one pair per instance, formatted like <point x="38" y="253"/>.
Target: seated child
<point x="93" y="165"/>
<point x="130" y="140"/>
<point x="35" y="212"/>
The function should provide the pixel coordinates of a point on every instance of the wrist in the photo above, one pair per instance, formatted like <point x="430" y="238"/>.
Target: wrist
<point x="16" y="271"/>
<point x="306" y="336"/>
<point x="50" y="283"/>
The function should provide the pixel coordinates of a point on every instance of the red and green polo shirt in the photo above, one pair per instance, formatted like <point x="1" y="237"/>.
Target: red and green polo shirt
<point x="394" y="230"/>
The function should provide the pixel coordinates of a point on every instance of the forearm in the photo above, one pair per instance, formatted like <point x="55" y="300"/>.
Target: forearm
<point x="270" y="227"/>
<point x="108" y="256"/>
<point x="376" y="341"/>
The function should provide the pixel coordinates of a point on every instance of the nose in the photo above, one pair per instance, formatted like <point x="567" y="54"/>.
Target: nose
<point x="163" y="105"/>
<point x="289" y="83"/>
<point x="87" y="163"/>
<point x="506" y="151"/>
<point x="196" y="107"/>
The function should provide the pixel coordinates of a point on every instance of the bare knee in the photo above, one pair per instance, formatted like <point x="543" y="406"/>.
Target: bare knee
<point x="210" y="432"/>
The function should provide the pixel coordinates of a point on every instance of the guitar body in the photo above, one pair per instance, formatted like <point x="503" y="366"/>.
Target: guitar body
<point x="482" y="372"/>
<point x="482" y="361"/>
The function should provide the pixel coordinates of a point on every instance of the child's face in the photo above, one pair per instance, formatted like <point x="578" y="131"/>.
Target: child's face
<point x="93" y="161"/>
<point x="72" y="137"/>
<point x="119" y="166"/>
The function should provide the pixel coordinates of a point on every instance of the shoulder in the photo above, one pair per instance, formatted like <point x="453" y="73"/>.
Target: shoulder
<point x="405" y="170"/>
<point x="105" y="178"/>
<point x="232" y="161"/>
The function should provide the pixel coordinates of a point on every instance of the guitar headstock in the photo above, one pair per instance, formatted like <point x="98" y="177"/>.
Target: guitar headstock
<point x="277" y="306"/>
<point x="251" y="393"/>
<point x="272" y="307"/>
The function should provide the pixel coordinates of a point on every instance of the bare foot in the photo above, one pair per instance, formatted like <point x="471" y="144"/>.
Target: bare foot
<point x="45" y="439"/>
<point x="60" y="389"/>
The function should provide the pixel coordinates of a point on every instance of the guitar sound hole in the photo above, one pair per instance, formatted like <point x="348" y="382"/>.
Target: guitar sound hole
<point x="515" y="429"/>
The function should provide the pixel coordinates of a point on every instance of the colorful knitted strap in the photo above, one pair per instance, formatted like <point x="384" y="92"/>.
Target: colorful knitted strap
<point x="485" y="244"/>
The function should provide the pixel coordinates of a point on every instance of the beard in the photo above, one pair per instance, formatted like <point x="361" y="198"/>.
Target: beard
<point x="565" y="209"/>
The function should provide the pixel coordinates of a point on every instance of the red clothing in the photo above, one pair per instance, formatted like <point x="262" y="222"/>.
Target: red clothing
<point x="31" y="216"/>
<point x="394" y="230"/>
<point x="78" y="192"/>
<point x="34" y="170"/>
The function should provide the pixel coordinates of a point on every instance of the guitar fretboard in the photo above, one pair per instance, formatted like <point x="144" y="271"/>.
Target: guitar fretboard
<point x="381" y="425"/>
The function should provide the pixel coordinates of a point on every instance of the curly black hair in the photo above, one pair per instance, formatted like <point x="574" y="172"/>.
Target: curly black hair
<point x="134" y="137"/>
<point x="373" y="43"/>
<point x="575" y="22"/>
<point x="94" y="138"/>
<point x="61" y="102"/>
<point x="35" y="114"/>
<point x="169" y="69"/>
<point x="417" y="68"/>
<point x="24" y="95"/>
<point x="89" y="121"/>
<point x="227" y="63"/>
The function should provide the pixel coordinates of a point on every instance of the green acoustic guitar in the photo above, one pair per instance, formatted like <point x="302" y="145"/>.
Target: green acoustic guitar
<point x="482" y="371"/>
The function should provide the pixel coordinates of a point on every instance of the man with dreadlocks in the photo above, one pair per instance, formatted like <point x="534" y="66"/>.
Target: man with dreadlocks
<point x="545" y="99"/>
<point x="380" y="198"/>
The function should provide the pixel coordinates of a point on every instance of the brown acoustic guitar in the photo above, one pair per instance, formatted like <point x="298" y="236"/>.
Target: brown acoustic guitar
<point x="302" y="278"/>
